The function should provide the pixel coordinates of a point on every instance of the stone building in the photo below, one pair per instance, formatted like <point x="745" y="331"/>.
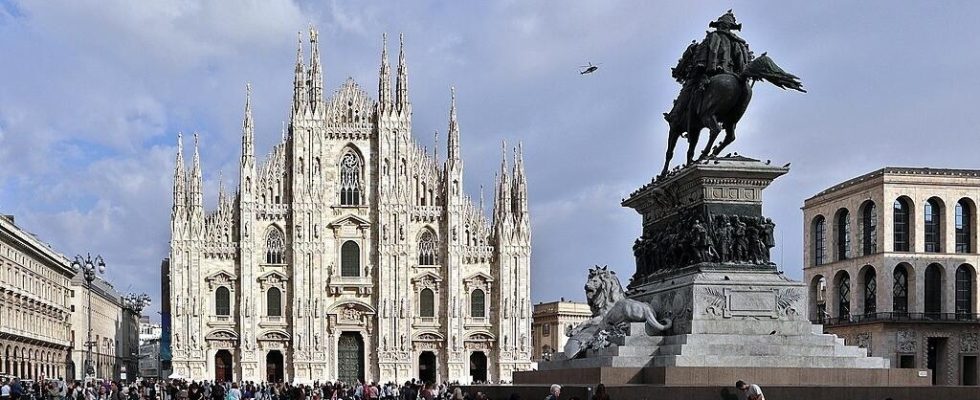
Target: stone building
<point x="551" y="321"/>
<point x="115" y="331"/>
<point x="149" y="348"/>
<point x="890" y="258"/>
<point x="350" y="252"/>
<point x="35" y="305"/>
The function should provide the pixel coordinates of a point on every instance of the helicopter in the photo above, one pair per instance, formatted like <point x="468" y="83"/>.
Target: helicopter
<point x="589" y="68"/>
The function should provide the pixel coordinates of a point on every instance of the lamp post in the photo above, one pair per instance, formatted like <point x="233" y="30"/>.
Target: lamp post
<point x="136" y="302"/>
<point x="89" y="267"/>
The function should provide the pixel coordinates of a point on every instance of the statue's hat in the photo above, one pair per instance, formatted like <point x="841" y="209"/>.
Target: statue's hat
<point x="727" y="19"/>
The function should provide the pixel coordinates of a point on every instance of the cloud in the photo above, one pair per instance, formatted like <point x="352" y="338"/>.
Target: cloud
<point x="95" y="92"/>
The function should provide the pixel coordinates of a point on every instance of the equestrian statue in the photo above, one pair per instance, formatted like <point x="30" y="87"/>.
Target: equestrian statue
<point x="717" y="75"/>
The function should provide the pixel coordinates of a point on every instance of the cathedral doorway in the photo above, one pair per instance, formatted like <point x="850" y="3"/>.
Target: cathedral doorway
<point x="274" y="366"/>
<point x="427" y="367"/>
<point x="222" y="366"/>
<point x="350" y="357"/>
<point x="478" y="366"/>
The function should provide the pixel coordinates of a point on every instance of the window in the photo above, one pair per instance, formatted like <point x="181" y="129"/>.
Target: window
<point x="427" y="248"/>
<point x="819" y="239"/>
<point x="934" y="289"/>
<point x="932" y="226"/>
<point x="273" y="302"/>
<point x="350" y="179"/>
<point x="478" y="304"/>
<point x="900" y="216"/>
<point x="870" y="292"/>
<point x="964" y="285"/>
<point x="844" y="296"/>
<point x="275" y="247"/>
<point x="350" y="259"/>
<point x="427" y="306"/>
<point x="843" y="235"/>
<point x="869" y="232"/>
<point x="900" y="290"/>
<point x="222" y="301"/>
<point x="963" y="225"/>
<point x="545" y="330"/>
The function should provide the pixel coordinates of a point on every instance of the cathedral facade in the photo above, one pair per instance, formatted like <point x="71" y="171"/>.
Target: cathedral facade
<point x="350" y="252"/>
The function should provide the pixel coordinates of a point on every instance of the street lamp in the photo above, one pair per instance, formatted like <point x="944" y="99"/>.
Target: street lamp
<point x="136" y="302"/>
<point x="89" y="267"/>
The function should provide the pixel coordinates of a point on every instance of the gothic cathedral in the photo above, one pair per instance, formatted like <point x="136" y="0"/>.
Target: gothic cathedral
<point x="350" y="252"/>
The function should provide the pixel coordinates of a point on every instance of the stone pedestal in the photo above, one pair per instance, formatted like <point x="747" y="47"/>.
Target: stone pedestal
<point x="703" y="262"/>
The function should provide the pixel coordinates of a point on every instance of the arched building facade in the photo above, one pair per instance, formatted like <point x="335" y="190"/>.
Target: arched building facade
<point x="891" y="259"/>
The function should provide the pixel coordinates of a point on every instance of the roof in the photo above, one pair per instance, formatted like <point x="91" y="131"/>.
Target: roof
<point x="922" y="171"/>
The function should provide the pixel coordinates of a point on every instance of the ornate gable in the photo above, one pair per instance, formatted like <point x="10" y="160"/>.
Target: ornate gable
<point x="349" y="220"/>
<point x="351" y="106"/>
<point x="273" y="278"/>
<point x="277" y="335"/>
<point x="220" y="278"/>
<point x="221" y="335"/>
<point x="478" y="280"/>
<point x="429" y="336"/>
<point x="427" y="279"/>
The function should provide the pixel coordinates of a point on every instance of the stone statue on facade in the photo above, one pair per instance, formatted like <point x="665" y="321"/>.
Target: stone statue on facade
<point x="610" y="310"/>
<point x="716" y="77"/>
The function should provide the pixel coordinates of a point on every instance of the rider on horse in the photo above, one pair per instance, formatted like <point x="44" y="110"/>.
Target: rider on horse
<point x="721" y="51"/>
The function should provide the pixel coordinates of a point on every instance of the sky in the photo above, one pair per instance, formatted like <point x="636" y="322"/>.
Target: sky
<point x="93" y="94"/>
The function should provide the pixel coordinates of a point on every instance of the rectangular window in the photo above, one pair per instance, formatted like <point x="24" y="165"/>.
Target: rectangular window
<point x="546" y="330"/>
<point x="906" y="361"/>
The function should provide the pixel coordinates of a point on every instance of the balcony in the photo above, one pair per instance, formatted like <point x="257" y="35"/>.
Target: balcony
<point x="899" y="317"/>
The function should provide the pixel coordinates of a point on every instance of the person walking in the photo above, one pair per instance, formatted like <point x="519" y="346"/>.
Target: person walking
<point x="600" y="393"/>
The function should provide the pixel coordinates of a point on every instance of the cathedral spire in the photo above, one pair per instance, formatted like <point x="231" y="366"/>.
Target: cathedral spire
<point x="384" y="78"/>
<point x="300" y="95"/>
<point x="502" y="201"/>
<point x="401" y="85"/>
<point x="520" y="184"/>
<point x="453" y="140"/>
<point x="178" y="213"/>
<point x="248" y="130"/>
<point x="195" y="196"/>
<point x="221" y="188"/>
<point x="316" y="74"/>
<point x="435" y="147"/>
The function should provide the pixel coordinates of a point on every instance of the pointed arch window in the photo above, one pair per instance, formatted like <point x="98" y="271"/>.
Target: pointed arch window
<point x="427" y="248"/>
<point x="273" y="301"/>
<point x="900" y="217"/>
<point x="869" y="231"/>
<point x="427" y="303"/>
<point x="932" y="226"/>
<point x="350" y="259"/>
<point x="478" y="304"/>
<point x="900" y="290"/>
<point x="963" y="224"/>
<point x="222" y="301"/>
<point x="275" y="247"/>
<point x="350" y="179"/>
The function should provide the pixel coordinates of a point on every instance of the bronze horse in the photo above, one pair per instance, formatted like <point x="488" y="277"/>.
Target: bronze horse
<point x="721" y="104"/>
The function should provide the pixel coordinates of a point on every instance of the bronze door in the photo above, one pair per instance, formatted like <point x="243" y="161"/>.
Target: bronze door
<point x="478" y="366"/>
<point x="274" y="366"/>
<point x="350" y="358"/>
<point x="222" y="366"/>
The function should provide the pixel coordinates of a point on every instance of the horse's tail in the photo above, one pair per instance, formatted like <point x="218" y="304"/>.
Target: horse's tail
<point x="764" y="68"/>
<point x="653" y="325"/>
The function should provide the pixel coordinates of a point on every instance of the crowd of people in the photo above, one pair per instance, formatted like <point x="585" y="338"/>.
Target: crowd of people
<point x="177" y="389"/>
